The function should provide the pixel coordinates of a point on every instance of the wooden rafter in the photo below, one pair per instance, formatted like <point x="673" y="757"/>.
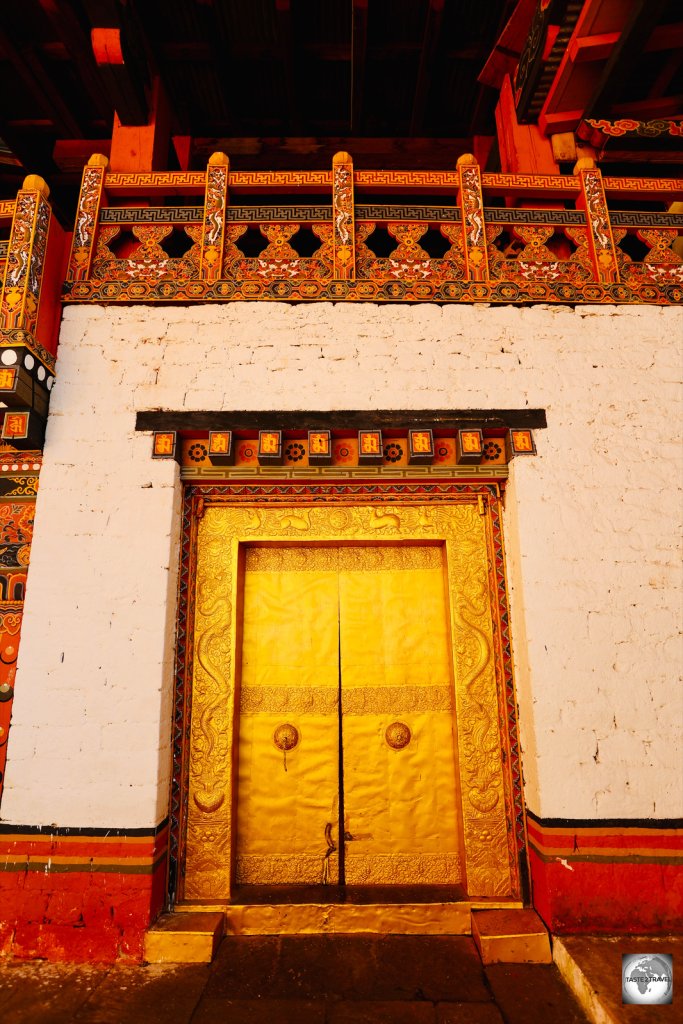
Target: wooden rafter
<point x="123" y="79"/>
<point x="359" y="47"/>
<point x="67" y="28"/>
<point x="36" y="81"/>
<point x="667" y="73"/>
<point x="638" y="27"/>
<point x="213" y="32"/>
<point x="23" y="148"/>
<point x="283" y="9"/>
<point x="430" y="44"/>
<point x="293" y="153"/>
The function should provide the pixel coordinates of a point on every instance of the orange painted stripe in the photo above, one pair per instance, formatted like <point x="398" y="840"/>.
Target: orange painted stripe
<point x="580" y="844"/>
<point x="607" y="857"/>
<point x="654" y="839"/>
<point x="46" y="860"/>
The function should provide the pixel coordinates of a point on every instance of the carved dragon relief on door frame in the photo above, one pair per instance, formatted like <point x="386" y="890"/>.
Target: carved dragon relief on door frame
<point x="463" y="525"/>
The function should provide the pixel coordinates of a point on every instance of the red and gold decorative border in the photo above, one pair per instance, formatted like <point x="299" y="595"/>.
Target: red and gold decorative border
<point x="392" y="452"/>
<point x="485" y="258"/>
<point x="18" y="490"/>
<point x="198" y="497"/>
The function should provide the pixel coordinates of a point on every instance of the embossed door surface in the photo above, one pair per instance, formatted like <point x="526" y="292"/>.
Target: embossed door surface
<point x="400" y="790"/>
<point x="359" y="632"/>
<point x="266" y="655"/>
<point x="290" y="677"/>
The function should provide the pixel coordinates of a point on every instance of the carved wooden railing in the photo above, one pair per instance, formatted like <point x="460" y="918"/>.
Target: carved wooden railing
<point x="447" y="236"/>
<point x="7" y="208"/>
<point x="30" y="242"/>
<point x="31" y="256"/>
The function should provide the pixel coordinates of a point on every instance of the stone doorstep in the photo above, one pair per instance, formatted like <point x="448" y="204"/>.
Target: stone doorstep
<point x="501" y="935"/>
<point x="184" y="938"/>
<point x="511" y="937"/>
<point x="401" y="918"/>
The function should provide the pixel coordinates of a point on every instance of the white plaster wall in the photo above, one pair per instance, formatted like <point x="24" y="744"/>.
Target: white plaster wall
<point x="592" y="530"/>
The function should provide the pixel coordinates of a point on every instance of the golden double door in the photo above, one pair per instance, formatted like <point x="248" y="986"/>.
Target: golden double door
<point x="347" y="709"/>
<point x="346" y="748"/>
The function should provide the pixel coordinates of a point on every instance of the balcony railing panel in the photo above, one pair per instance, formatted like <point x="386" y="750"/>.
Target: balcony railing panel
<point x="446" y="236"/>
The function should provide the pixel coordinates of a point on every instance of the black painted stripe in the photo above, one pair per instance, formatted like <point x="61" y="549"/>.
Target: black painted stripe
<point x="612" y="858"/>
<point x="588" y="823"/>
<point x="67" y="830"/>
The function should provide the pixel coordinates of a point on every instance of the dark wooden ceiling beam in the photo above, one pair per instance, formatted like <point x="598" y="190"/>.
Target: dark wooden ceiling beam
<point x="118" y="45"/>
<point x="33" y="77"/>
<point x="344" y="420"/>
<point x="276" y="153"/>
<point x="638" y="27"/>
<point x="359" y="49"/>
<point x="181" y="50"/>
<point x="23" y="147"/>
<point x="75" y="41"/>
<point x="221" y="54"/>
<point x="482" y="119"/>
<point x="327" y="50"/>
<point x="71" y="155"/>
<point x="650" y="108"/>
<point x="430" y="43"/>
<point x="286" y="54"/>
<point x="666" y="75"/>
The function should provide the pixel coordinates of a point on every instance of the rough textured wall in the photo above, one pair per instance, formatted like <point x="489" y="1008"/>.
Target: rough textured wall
<point x="592" y="527"/>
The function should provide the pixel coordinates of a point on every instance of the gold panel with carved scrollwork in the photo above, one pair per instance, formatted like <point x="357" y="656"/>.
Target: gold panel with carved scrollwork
<point x="228" y="533"/>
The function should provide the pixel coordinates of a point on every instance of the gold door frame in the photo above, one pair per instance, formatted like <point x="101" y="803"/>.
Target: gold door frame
<point x="462" y="525"/>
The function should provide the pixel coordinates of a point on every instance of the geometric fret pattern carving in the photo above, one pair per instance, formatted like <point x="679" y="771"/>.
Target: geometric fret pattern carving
<point x="466" y="250"/>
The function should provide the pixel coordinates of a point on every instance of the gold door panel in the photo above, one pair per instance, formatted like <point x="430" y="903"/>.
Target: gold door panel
<point x="419" y="653"/>
<point x="370" y="622"/>
<point x="288" y="742"/>
<point x="401" y="805"/>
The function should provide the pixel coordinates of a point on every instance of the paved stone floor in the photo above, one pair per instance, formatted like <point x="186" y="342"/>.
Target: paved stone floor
<point x="316" y="979"/>
<point x="592" y="965"/>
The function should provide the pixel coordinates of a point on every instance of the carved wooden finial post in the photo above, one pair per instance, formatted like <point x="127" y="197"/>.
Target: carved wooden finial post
<point x="34" y="183"/>
<point x="215" y="203"/>
<point x="471" y="201"/>
<point x="98" y="160"/>
<point x="600" y="240"/>
<point x="90" y="200"/>
<point x="26" y="253"/>
<point x="343" y="219"/>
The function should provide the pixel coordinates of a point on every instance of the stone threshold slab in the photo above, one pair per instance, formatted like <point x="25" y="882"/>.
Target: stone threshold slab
<point x="348" y="918"/>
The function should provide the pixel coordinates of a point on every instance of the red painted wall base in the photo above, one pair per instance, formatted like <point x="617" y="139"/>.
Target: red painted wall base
<point x="76" y="916"/>
<point x="74" y="895"/>
<point x="57" y="904"/>
<point x="607" y="880"/>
